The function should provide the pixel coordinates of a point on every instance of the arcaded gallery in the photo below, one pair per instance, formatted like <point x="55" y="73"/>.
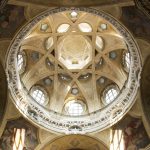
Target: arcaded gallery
<point x="74" y="74"/>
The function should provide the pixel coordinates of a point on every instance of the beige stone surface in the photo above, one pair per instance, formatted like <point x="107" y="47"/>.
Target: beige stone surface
<point x="48" y="138"/>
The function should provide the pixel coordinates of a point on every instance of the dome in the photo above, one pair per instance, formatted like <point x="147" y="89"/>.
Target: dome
<point x="73" y="71"/>
<point x="74" y="51"/>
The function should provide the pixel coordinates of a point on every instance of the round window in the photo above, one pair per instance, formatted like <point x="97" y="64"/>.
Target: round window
<point x="40" y="95"/>
<point x="75" y="108"/>
<point x="109" y="94"/>
<point x="85" y="27"/>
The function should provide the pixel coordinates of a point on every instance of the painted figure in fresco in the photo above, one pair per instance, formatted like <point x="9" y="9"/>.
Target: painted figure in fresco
<point x="130" y="133"/>
<point x="10" y="19"/>
<point x="136" y="21"/>
<point x="6" y="141"/>
<point x="135" y="136"/>
<point x="31" y="139"/>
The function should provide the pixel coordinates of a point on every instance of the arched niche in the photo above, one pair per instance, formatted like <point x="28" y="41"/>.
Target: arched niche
<point x="75" y="142"/>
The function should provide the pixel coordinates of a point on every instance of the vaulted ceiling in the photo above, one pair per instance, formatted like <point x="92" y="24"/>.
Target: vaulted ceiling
<point x="130" y="16"/>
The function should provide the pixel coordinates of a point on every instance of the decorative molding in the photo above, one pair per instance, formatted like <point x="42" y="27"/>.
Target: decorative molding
<point x="53" y="121"/>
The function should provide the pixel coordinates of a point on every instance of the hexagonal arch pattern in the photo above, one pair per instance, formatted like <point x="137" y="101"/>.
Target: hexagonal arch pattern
<point x="74" y="51"/>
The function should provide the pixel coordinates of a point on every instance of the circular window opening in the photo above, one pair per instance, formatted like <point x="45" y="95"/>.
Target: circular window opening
<point x="109" y="94"/>
<point x="85" y="27"/>
<point x="75" y="108"/>
<point x="74" y="14"/>
<point x="40" y="95"/>
<point x="63" y="28"/>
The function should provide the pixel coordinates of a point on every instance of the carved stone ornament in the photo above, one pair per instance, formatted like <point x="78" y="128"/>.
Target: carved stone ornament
<point x="53" y="121"/>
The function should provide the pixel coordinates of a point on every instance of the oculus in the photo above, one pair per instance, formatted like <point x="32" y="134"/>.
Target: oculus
<point x="109" y="94"/>
<point x="85" y="27"/>
<point x="39" y="94"/>
<point x="75" y="108"/>
<point x="63" y="28"/>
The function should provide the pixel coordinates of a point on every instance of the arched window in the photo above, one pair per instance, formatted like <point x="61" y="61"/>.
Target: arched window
<point x="18" y="139"/>
<point x="40" y="95"/>
<point x="49" y="43"/>
<point x="63" y="28"/>
<point x="21" y="61"/>
<point x="75" y="108"/>
<point x="85" y="27"/>
<point x="99" y="42"/>
<point x="110" y="93"/>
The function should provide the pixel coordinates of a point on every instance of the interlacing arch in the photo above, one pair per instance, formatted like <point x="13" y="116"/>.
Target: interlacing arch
<point x="99" y="39"/>
<point x="74" y="55"/>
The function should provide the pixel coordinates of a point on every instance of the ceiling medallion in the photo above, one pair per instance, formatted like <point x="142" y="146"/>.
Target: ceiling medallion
<point x="69" y="68"/>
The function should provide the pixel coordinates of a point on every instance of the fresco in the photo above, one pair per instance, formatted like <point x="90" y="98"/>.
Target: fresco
<point x="11" y="18"/>
<point x="136" y="21"/>
<point x="75" y="142"/>
<point x="134" y="134"/>
<point x="31" y="141"/>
